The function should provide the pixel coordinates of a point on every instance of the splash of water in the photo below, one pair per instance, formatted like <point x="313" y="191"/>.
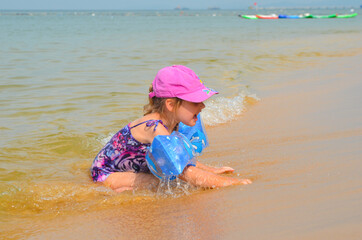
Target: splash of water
<point x="223" y="110"/>
<point x="173" y="188"/>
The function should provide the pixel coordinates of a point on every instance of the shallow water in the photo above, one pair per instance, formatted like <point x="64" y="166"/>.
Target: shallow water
<point x="287" y="113"/>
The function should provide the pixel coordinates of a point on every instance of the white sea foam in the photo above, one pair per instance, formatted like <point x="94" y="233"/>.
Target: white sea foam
<point x="105" y="139"/>
<point x="222" y="109"/>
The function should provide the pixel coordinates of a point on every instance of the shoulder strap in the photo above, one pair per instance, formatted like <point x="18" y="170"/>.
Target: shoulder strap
<point x="140" y="124"/>
<point x="150" y="123"/>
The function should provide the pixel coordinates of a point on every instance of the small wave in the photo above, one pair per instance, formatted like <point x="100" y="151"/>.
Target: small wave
<point x="58" y="198"/>
<point x="223" y="110"/>
<point x="104" y="140"/>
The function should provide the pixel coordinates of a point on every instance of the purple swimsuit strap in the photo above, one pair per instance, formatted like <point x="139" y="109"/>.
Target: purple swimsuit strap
<point x="150" y="123"/>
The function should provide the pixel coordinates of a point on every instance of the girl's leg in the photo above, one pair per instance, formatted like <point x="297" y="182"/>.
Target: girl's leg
<point x="202" y="178"/>
<point x="121" y="181"/>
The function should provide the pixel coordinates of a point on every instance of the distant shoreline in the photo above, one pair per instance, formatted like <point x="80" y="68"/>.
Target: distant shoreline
<point x="188" y="9"/>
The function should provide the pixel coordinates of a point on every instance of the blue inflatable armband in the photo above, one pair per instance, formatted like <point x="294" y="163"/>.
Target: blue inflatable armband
<point x="168" y="155"/>
<point x="196" y="135"/>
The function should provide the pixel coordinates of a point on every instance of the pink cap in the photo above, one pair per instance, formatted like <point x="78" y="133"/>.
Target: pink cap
<point x="181" y="82"/>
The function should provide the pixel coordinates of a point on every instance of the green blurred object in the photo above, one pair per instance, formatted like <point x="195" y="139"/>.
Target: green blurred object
<point x="248" y="16"/>
<point x="321" y="16"/>
<point x="347" y="15"/>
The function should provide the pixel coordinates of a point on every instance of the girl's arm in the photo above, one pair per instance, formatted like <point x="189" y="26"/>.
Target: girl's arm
<point x="214" y="169"/>
<point x="202" y="178"/>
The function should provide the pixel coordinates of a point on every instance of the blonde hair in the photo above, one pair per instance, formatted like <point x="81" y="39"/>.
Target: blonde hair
<point x="158" y="105"/>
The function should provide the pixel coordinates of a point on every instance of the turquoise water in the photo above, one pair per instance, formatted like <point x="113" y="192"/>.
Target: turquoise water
<point x="96" y="66"/>
<point x="71" y="79"/>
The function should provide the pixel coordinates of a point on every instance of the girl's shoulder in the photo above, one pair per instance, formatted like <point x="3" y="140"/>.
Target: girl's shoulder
<point x="149" y="120"/>
<point x="146" y="128"/>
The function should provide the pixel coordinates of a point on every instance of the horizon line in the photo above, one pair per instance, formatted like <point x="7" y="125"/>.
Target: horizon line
<point x="175" y="9"/>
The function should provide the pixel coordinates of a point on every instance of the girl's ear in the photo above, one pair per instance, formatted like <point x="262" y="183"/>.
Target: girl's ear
<point x="170" y="104"/>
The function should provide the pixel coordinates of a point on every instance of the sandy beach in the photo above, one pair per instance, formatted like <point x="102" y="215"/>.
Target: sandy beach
<point x="301" y="145"/>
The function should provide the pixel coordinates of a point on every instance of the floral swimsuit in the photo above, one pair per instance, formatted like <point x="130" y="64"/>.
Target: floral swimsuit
<point x="123" y="153"/>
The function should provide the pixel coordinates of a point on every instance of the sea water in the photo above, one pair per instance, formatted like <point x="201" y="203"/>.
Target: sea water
<point x="70" y="79"/>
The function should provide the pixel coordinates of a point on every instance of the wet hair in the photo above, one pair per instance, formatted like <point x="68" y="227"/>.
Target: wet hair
<point x="158" y="105"/>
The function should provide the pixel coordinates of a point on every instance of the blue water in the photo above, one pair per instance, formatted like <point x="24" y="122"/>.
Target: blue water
<point x="68" y="80"/>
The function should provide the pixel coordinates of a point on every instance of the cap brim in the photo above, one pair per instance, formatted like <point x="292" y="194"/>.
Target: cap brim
<point x="198" y="96"/>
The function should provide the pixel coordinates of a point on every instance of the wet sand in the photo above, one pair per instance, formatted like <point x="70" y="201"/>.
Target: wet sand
<point x="301" y="145"/>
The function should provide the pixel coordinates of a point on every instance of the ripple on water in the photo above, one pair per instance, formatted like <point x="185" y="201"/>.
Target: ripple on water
<point x="20" y="77"/>
<point x="12" y="86"/>
<point x="51" y="198"/>
<point x="40" y="113"/>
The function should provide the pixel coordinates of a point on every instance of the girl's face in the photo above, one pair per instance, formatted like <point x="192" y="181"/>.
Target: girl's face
<point x="188" y="111"/>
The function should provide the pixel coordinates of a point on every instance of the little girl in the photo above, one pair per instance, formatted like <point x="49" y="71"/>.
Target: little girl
<point x="176" y="95"/>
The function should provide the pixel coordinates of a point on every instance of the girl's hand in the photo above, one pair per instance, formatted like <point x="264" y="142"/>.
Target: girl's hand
<point x="245" y="181"/>
<point x="221" y="170"/>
